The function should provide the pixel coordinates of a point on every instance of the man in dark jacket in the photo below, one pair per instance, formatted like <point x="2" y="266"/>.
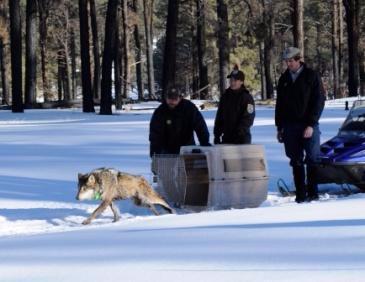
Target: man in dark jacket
<point x="173" y="124"/>
<point x="236" y="112"/>
<point x="299" y="105"/>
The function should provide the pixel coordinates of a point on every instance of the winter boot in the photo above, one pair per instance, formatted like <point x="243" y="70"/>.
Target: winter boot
<point x="312" y="183"/>
<point x="299" y="182"/>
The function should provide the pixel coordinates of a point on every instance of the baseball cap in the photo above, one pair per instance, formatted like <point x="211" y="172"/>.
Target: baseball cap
<point x="173" y="93"/>
<point x="291" y="52"/>
<point x="237" y="75"/>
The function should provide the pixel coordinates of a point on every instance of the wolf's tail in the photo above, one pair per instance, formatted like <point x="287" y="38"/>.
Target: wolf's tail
<point x="167" y="208"/>
<point x="155" y="198"/>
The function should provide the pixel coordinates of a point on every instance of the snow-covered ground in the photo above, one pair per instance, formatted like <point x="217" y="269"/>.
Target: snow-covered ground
<point x="42" y="239"/>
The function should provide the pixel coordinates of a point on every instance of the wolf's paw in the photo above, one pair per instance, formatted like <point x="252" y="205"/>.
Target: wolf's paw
<point x="86" y="222"/>
<point x="116" y="219"/>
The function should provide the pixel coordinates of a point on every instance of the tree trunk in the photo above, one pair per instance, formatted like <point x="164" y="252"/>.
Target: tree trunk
<point x="318" y="57"/>
<point x="169" y="60"/>
<point x="262" y="71"/>
<point x="16" y="56"/>
<point x="73" y="64"/>
<point x="126" y="68"/>
<point x="297" y="21"/>
<point x="268" y="47"/>
<point x="362" y="72"/>
<point x="195" y="67"/>
<point x="148" y="15"/>
<point x="3" y="38"/>
<point x="43" y="9"/>
<point x="353" y="31"/>
<point x="60" y="73"/>
<point x="335" y="64"/>
<point x="223" y="44"/>
<point x="201" y="44"/>
<point x="30" y="53"/>
<point x="118" y="70"/>
<point x="96" y="50"/>
<point x="87" y="102"/>
<point x="340" y="42"/>
<point x="66" y="72"/>
<point x="109" y="44"/>
<point x="4" y="82"/>
<point x="138" y="54"/>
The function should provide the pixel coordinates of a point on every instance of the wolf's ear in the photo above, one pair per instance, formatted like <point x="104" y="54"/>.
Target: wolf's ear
<point x="80" y="175"/>
<point x="91" y="180"/>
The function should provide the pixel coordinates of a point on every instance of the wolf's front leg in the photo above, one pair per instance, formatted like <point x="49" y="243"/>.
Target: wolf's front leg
<point x="96" y="213"/>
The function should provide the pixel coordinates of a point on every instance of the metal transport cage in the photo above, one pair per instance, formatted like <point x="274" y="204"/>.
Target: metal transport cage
<point x="216" y="177"/>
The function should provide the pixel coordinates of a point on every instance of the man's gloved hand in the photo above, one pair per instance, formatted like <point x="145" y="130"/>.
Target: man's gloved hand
<point x="154" y="166"/>
<point x="217" y="140"/>
<point x="279" y="136"/>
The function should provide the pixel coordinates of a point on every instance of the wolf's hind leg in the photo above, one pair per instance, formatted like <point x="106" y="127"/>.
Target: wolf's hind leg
<point x="115" y="211"/>
<point x="153" y="209"/>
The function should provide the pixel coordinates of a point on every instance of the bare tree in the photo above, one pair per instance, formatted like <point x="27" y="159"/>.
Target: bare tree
<point x="148" y="16"/>
<point x="30" y="53"/>
<point x="126" y="67"/>
<point x="108" y="54"/>
<point x="297" y="21"/>
<point x="16" y="56"/>
<point x="96" y="50"/>
<point x="335" y="47"/>
<point x="138" y="50"/>
<point x="362" y="71"/>
<point x="269" y="34"/>
<point x="118" y="68"/>
<point x="201" y="45"/>
<point x="169" y="61"/>
<point x="88" y="103"/>
<point x="223" y="43"/>
<point x="3" y="38"/>
<point x="43" y="10"/>
<point x="352" y="8"/>
<point x="4" y="82"/>
<point x="63" y="39"/>
<point x="73" y="62"/>
<point x="340" y="41"/>
<point x="262" y="70"/>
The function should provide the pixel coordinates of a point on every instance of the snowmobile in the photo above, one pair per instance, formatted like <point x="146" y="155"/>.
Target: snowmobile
<point x="342" y="158"/>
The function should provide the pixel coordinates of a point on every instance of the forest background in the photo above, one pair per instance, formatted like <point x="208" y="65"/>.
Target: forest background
<point x="61" y="53"/>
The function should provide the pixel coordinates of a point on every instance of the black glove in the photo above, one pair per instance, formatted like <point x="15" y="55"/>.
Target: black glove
<point x="154" y="166"/>
<point x="217" y="140"/>
<point x="279" y="136"/>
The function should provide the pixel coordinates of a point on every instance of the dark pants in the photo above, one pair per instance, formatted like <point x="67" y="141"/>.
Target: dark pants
<point x="302" y="151"/>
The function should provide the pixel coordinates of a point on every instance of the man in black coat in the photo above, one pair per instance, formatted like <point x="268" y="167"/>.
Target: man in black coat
<point x="236" y="112"/>
<point x="299" y="105"/>
<point x="173" y="124"/>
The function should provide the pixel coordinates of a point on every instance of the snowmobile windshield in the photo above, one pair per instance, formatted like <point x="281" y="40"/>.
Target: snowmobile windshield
<point x="355" y="121"/>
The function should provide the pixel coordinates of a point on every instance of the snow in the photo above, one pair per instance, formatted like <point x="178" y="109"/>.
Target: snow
<point x="42" y="238"/>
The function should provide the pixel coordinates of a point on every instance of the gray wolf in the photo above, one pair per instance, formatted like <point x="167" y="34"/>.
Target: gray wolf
<point x="107" y="185"/>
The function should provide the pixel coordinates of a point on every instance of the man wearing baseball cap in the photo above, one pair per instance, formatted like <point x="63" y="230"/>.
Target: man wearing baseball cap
<point x="236" y="112"/>
<point x="299" y="105"/>
<point x="173" y="125"/>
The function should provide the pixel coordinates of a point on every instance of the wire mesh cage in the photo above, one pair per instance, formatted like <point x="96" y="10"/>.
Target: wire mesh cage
<point x="171" y="176"/>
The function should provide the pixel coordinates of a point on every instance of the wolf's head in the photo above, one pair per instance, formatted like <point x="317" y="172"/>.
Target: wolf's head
<point x="88" y="187"/>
